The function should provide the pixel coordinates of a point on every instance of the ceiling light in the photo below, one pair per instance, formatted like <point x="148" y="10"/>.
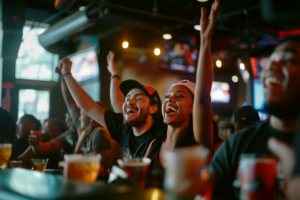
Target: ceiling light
<point x="242" y="66"/>
<point x="81" y="8"/>
<point x="167" y="36"/>
<point x="219" y="63"/>
<point x="235" y="79"/>
<point x="157" y="51"/>
<point x="202" y="0"/>
<point x="125" y="45"/>
<point x="197" y="27"/>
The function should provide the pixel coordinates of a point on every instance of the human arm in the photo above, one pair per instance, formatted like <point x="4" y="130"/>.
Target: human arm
<point x="83" y="100"/>
<point x="202" y="110"/>
<point x="73" y="110"/>
<point x="116" y="97"/>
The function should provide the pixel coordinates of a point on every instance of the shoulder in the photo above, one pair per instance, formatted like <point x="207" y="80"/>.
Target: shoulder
<point x="108" y="114"/>
<point x="248" y="132"/>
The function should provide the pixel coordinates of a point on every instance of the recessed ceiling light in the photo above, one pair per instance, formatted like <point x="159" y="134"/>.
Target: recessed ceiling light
<point x="157" y="51"/>
<point x="125" y="44"/>
<point x="202" y="0"/>
<point x="219" y="63"/>
<point x="235" y="79"/>
<point x="197" y="27"/>
<point x="167" y="36"/>
<point x="242" y="66"/>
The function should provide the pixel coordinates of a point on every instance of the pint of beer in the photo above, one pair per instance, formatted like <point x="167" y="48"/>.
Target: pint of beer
<point x="135" y="170"/>
<point x="39" y="164"/>
<point x="82" y="167"/>
<point x="15" y="163"/>
<point x="5" y="153"/>
<point x="186" y="172"/>
<point x="257" y="177"/>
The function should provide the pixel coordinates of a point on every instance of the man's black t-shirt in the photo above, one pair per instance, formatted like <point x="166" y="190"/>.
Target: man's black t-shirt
<point x="296" y="170"/>
<point x="132" y="146"/>
<point x="249" y="140"/>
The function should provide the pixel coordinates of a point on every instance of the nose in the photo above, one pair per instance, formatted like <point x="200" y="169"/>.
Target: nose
<point x="170" y="99"/>
<point x="275" y="65"/>
<point x="130" y="101"/>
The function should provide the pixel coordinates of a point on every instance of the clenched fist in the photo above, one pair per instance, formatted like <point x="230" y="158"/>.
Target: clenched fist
<point x="65" y="65"/>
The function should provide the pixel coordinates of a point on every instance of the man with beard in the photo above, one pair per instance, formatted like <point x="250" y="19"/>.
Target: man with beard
<point x="281" y="81"/>
<point x="137" y="126"/>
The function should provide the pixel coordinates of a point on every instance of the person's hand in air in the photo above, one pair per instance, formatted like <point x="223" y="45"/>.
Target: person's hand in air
<point x="65" y="65"/>
<point x="208" y="24"/>
<point x="111" y="64"/>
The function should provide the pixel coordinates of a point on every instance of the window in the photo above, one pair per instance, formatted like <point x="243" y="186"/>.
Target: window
<point x="33" y="61"/>
<point x="34" y="102"/>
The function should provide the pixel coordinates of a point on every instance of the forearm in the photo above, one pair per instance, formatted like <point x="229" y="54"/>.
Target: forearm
<point x="84" y="101"/>
<point x="47" y="148"/>
<point x="27" y="155"/>
<point x="69" y="101"/>
<point x="116" y="97"/>
<point x="202" y="103"/>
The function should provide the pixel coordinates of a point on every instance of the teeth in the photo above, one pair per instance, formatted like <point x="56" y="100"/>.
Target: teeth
<point x="170" y="108"/>
<point x="128" y="110"/>
<point x="273" y="80"/>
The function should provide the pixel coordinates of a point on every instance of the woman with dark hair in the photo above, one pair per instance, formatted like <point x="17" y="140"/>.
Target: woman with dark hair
<point x="7" y="127"/>
<point x="187" y="106"/>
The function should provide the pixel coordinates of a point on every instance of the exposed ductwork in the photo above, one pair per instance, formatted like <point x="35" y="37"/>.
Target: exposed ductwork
<point x="68" y="26"/>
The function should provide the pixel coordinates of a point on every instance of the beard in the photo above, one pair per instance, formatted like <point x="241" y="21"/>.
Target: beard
<point x="139" y="121"/>
<point x="283" y="111"/>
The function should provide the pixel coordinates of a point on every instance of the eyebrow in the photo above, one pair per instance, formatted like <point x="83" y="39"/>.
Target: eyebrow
<point x="134" y="95"/>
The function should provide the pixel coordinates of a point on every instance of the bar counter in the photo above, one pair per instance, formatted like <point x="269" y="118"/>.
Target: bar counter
<point x="18" y="183"/>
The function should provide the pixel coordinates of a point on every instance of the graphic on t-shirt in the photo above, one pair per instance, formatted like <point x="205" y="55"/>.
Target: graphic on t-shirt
<point x="126" y="153"/>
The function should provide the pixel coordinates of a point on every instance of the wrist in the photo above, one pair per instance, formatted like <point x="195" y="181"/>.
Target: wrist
<point x="67" y="73"/>
<point x="117" y="76"/>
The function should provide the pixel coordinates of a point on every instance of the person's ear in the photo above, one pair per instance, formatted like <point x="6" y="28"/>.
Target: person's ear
<point x="153" y="109"/>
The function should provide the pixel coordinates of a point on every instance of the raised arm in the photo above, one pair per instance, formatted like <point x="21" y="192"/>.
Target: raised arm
<point x="116" y="98"/>
<point x="73" y="110"/>
<point x="202" y="110"/>
<point x="83" y="100"/>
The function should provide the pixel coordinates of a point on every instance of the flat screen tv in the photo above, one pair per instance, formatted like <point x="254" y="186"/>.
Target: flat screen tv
<point x="85" y="65"/>
<point x="257" y="66"/>
<point x="220" y="92"/>
<point x="179" y="57"/>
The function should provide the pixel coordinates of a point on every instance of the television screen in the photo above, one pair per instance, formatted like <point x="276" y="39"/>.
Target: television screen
<point x="220" y="92"/>
<point x="85" y="65"/>
<point x="257" y="65"/>
<point x="179" y="57"/>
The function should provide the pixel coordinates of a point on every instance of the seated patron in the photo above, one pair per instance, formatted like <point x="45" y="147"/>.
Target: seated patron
<point x="245" y="116"/>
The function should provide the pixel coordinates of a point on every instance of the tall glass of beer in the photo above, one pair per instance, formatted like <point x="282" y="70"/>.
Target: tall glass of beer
<point x="82" y="167"/>
<point x="5" y="153"/>
<point x="39" y="164"/>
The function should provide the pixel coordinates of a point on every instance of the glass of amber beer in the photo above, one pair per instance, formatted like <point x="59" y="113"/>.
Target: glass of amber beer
<point x="5" y="153"/>
<point x="39" y="164"/>
<point x="82" y="167"/>
<point x="15" y="163"/>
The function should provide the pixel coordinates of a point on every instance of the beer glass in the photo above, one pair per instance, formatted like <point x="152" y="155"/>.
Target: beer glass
<point x="186" y="171"/>
<point x="15" y="163"/>
<point x="39" y="164"/>
<point x="82" y="167"/>
<point x="5" y="153"/>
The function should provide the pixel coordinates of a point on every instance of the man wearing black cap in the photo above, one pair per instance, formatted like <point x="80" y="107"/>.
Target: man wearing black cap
<point x="245" y="116"/>
<point x="137" y="126"/>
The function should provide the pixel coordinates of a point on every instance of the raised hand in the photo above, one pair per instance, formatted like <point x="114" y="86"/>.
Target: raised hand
<point x="111" y="64"/>
<point x="65" y="65"/>
<point x="208" y="24"/>
<point x="35" y="138"/>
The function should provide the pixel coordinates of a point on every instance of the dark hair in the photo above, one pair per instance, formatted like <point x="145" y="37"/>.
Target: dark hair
<point x="186" y="138"/>
<point x="216" y="137"/>
<point x="61" y="125"/>
<point x="158" y="113"/>
<point x="8" y="125"/>
<point x="34" y="120"/>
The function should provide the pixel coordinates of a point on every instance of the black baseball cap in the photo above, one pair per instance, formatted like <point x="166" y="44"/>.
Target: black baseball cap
<point x="152" y="93"/>
<point x="247" y="115"/>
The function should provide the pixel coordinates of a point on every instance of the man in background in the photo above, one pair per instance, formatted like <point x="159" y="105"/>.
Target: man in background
<point x="245" y="116"/>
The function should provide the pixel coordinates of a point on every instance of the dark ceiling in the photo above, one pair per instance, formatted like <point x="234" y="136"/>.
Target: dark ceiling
<point x="240" y="23"/>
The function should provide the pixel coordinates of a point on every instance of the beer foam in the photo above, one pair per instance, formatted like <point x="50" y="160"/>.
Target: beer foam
<point x="143" y="162"/>
<point x="5" y="145"/>
<point x="80" y="158"/>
